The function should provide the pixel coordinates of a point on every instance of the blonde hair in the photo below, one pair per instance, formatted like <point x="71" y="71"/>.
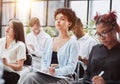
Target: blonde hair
<point x="34" y="21"/>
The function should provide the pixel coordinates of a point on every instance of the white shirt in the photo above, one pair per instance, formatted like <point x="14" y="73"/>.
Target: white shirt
<point x="85" y="45"/>
<point x="38" y="41"/>
<point x="15" y="52"/>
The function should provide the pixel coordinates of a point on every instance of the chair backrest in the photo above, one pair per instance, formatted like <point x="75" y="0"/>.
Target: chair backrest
<point x="28" y="60"/>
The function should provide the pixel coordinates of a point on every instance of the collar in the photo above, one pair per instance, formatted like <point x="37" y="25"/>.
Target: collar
<point x="41" y="34"/>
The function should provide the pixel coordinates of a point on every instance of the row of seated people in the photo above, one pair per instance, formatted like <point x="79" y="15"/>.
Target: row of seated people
<point x="13" y="49"/>
<point x="57" y="56"/>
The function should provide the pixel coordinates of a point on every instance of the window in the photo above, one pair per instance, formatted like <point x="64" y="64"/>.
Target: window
<point x="7" y="0"/>
<point x="44" y="10"/>
<point x="100" y="6"/>
<point x="52" y="6"/>
<point x="38" y="9"/>
<point x="116" y="7"/>
<point x="7" y="13"/>
<point x="80" y="8"/>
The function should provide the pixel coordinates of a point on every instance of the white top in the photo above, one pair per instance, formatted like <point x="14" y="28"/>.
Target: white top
<point x="15" y="52"/>
<point x="38" y="41"/>
<point x="85" y="45"/>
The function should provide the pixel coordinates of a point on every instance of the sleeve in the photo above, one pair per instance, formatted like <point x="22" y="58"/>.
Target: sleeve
<point x="21" y="51"/>
<point x="112" y="82"/>
<point x="69" y="68"/>
<point x="87" y="72"/>
<point x="1" y="73"/>
<point x="46" y="53"/>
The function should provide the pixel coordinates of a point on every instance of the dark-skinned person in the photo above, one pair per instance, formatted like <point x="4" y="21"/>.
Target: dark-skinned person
<point x="104" y="61"/>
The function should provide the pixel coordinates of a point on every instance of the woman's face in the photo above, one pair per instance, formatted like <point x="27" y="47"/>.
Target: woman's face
<point x="61" y="22"/>
<point x="9" y="31"/>
<point x="107" y="35"/>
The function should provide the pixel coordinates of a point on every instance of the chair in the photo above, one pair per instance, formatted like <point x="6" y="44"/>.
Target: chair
<point x="28" y="60"/>
<point x="79" y="72"/>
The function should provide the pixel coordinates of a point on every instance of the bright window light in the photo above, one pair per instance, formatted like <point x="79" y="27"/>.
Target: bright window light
<point x="23" y="4"/>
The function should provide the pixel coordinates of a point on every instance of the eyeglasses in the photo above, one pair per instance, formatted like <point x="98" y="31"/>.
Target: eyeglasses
<point x="104" y="34"/>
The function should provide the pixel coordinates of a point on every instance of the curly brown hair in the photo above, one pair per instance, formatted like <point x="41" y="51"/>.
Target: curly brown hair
<point x="69" y="13"/>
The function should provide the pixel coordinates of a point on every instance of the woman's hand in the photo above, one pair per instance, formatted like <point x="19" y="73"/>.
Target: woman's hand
<point x="84" y="60"/>
<point x="98" y="80"/>
<point x="5" y="61"/>
<point x="51" y="70"/>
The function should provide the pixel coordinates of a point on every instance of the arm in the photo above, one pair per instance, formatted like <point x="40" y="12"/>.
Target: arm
<point x="29" y="41"/>
<point x="46" y="55"/>
<point x="20" y="55"/>
<point x="84" y="55"/>
<point x="16" y="66"/>
<point x="87" y="72"/>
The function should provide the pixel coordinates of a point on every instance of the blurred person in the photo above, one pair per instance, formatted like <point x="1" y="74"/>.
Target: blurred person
<point x="13" y="48"/>
<point x="85" y="44"/>
<point x="36" y="41"/>
<point x="105" y="56"/>
<point x="60" y="56"/>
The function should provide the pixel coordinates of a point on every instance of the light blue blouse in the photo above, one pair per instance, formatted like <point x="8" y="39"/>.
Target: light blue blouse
<point x="67" y="57"/>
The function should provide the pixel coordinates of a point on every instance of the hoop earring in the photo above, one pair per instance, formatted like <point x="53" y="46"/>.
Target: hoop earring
<point x="118" y="36"/>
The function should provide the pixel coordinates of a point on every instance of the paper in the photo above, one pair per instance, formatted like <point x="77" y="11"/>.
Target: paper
<point x="52" y="75"/>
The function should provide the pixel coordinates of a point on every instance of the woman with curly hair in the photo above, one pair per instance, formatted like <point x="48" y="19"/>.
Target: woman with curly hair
<point x="60" y="55"/>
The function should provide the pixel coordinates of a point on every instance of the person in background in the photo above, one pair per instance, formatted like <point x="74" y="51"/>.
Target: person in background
<point x="13" y="49"/>
<point x="104" y="57"/>
<point x="36" y="41"/>
<point x="85" y="44"/>
<point x="60" y="56"/>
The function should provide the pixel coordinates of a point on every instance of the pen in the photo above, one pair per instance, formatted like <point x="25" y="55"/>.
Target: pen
<point x="101" y="73"/>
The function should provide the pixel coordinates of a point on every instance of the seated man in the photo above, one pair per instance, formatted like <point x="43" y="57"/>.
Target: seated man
<point x="36" y="41"/>
<point x="85" y="44"/>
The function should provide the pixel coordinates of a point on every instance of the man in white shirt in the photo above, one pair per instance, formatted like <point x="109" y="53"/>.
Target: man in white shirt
<point x="85" y="44"/>
<point x="36" y="41"/>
